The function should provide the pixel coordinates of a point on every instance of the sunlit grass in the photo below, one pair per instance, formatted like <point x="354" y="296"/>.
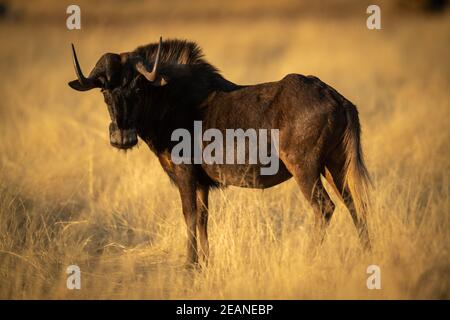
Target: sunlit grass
<point x="67" y="197"/>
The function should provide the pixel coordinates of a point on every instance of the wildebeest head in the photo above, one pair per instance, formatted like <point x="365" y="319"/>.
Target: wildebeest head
<point x="122" y="79"/>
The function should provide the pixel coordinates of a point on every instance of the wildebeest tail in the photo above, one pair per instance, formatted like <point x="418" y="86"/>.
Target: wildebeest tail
<point x="357" y="178"/>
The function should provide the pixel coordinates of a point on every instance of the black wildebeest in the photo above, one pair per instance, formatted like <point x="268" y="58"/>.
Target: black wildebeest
<point x="160" y="87"/>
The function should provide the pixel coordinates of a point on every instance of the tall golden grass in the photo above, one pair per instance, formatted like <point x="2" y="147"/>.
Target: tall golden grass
<point x="67" y="197"/>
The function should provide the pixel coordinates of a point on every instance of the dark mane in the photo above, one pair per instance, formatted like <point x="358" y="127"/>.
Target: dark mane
<point x="175" y="52"/>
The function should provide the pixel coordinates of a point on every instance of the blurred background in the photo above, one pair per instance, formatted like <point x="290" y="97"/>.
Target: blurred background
<point x="67" y="197"/>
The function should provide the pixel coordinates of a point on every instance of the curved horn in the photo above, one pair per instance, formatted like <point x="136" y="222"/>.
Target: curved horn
<point x="81" y="78"/>
<point x="158" y="55"/>
<point x="150" y="76"/>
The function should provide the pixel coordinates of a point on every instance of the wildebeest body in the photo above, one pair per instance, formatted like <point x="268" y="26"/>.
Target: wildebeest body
<point x="296" y="103"/>
<point x="319" y="132"/>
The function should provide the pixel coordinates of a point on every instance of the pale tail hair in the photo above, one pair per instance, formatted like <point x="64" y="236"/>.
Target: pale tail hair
<point x="357" y="178"/>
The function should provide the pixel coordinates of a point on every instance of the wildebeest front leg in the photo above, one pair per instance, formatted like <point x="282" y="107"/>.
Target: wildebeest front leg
<point x="202" y="222"/>
<point x="187" y="188"/>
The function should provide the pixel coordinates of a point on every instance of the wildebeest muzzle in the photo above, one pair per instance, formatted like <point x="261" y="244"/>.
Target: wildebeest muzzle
<point x="122" y="138"/>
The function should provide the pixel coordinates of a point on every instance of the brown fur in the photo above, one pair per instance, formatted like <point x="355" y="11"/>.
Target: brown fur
<point x="319" y="130"/>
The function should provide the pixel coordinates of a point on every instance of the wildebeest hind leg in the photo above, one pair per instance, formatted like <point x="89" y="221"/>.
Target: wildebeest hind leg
<point x="308" y="179"/>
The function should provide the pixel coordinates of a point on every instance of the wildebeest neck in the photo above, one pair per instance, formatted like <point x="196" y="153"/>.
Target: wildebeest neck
<point x="177" y="104"/>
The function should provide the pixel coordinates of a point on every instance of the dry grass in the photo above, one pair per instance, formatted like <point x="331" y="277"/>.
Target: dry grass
<point x="67" y="197"/>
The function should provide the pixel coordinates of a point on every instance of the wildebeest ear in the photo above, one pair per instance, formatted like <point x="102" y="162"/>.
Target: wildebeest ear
<point x="76" y="85"/>
<point x="160" y="81"/>
<point x="155" y="78"/>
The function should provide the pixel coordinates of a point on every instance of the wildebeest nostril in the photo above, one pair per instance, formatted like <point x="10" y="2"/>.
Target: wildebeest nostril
<point x="122" y="138"/>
